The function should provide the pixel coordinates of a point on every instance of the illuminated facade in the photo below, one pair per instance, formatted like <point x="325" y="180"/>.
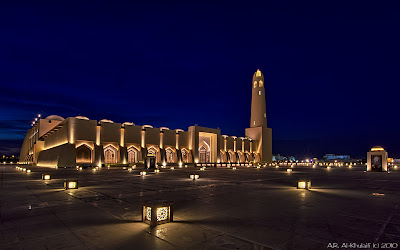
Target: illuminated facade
<point x="55" y="141"/>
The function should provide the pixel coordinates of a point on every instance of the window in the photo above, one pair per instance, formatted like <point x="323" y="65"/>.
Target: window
<point x="255" y="84"/>
<point x="265" y="115"/>
<point x="254" y="122"/>
<point x="260" y="83"/>
<point x="259" y="92"/>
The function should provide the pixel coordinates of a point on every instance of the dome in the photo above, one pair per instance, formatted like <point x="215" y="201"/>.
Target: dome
<point x="107" y="121"/>
<point x="55" y="117"/>
<point x="82" y="117"/>
<point x="377" y="148"/>
<point x="127" y="123"/>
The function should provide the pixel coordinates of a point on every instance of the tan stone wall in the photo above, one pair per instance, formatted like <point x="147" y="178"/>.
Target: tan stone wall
<point x="133" y="134"/>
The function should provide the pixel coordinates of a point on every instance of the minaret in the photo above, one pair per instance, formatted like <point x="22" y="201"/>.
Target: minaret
<point x="258" y="109"/>
<point x="258" y="131"/>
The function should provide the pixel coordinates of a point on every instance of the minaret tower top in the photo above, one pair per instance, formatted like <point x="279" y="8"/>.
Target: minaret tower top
<point x="258" y="107"/>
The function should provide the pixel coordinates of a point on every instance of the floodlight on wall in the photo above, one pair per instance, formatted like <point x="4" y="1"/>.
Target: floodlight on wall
<point x="70" y="184"/>
<point x="304" y="185"/>
<point x="157" y="212"/>
<point x="194" y="176"/>
<point x="143" y="173"/>
<point x="46" y="177"/>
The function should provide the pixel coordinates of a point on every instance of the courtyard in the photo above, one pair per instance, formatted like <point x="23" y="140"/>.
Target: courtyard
<point x="246" y="208"/>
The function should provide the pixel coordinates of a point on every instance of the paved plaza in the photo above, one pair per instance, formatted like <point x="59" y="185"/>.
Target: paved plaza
<point x="246" y="208"/>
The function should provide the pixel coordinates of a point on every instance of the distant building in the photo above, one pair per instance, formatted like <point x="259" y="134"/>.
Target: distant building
<point x="332" y="157"/>
<point x="55" y="141"/>
<point x="279" y="157"/>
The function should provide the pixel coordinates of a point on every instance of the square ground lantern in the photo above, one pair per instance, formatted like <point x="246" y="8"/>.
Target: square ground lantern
<point x="194" y="176"/>
<point x="46" y="177"/>
<point x="304" y="185"/>
<point x="157" y="212"/>
<point x="70" y="184"/>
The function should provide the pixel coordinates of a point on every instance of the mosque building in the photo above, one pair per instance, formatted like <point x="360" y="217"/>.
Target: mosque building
<point x="58" y="142"/>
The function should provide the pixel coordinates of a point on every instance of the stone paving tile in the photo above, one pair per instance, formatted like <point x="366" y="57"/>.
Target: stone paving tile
<point x="225" y="209"/>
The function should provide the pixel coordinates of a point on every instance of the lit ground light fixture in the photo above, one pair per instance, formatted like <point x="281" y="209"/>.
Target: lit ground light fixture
<point x="194" y="176"/>
<point x="304" y="185"/>
<point x="157" y="212"/>
<point x="288" y="170"/>
<point x="143" y="173"/>
<point x="28" y="170"/>
<point x="156" y="170"/>
<point x="46" y="177"/>
<point x="70" y="184"/>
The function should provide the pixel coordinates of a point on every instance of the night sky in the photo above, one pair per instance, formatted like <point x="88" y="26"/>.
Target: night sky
<point x="331" y="68"/>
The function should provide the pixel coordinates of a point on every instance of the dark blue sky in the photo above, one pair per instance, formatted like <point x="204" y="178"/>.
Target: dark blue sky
<point x="331" y="68"/>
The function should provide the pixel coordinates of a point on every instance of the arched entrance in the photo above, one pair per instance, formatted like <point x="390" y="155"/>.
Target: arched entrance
<point x="170" y="154"/>
<point x="204" y="152"/>
<point x="241" y="157"/>
<point x="110" y="154"/>
<point x="232" y="157"/>
<point x="133" y="155"/>
<point x="249" y="157"/>
<point x="83" y="154"/>
<point x="152" y="150"/>
<point x="185" y="155"/>
<point x="223" y="157"/>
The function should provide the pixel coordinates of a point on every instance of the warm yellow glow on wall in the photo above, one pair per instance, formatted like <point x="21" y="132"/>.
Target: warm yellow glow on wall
<point x="98" y="135"/>
<point x="161" y="139"/>
<point x="122" y="137"/>
<point x="143" y="141"/>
